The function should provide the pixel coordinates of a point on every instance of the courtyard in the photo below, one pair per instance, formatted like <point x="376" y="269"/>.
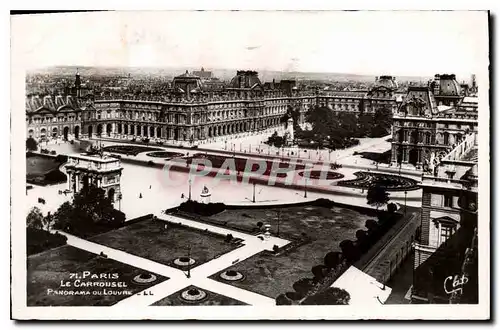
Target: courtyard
<point x="50" y="269"/>
<point x="269" y="274"/>
<point x="166" y="243"/>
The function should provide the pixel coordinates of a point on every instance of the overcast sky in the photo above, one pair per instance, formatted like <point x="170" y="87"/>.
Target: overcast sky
<point x="397" y="43"/>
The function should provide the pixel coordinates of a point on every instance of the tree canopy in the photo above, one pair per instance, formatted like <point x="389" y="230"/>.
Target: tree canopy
<point x="90" y="212"/>
<point x="31" y="144"/>
<point x="35" y="218"/>
<point x="330" y="296"/>
<point x="377" y="195"/>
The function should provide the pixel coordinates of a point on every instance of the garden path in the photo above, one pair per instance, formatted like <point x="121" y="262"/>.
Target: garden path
<point x="177" y="278"/>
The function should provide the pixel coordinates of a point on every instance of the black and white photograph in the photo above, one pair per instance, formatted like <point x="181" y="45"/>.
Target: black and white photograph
<point x="229" y="165"/>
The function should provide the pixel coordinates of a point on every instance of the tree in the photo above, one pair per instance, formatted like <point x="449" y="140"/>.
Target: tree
<point x="333" y="259"/>
<point x="35" y="218"/>
<point x="391" y="208"/>
<point x="330" y="296"/>
<point x="282" y="300"/>
<point x="377" y="196"/>
<point x="47" y="221"/>
<point x="372" y="225"/>
<point x="64" y="217"/>
<point x="229" y="238"/>
<point x="91" y="211"/>
<point x="366" y="123"/>
<point x="31" y="144"/>
<point x="303" y="285"/>
<point x="349" y="250"/>
<point x="382" y="120"/>
<point x="318" y="272"/>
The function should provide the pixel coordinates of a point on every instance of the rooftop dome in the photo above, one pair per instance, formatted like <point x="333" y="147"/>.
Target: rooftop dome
<point x="447" y="84"/>
<point x="387" y="81"/>
<point x="245" y="79"/>
<point x="186" y="75"/>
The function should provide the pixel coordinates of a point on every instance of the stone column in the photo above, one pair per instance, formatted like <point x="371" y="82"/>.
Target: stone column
<point x="419" y="158"/>
<point x="406" y="153"/>
<point x="394" y="154"/>
<point x="70" y="179"/>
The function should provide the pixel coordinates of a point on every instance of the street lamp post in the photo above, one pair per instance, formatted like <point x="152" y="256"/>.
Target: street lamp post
<point x="189" y="262"/>
<point x="305" y="188"/>
<point x="253" y="198"/>
<point x="119" y="202"/>
<point x="278" y="232"/>
<point x="405" y="200"/>
<point x="189" y="196"/>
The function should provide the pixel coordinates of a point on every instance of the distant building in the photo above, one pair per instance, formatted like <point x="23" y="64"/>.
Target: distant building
<point x="203" y="74"/>
<point x="362" y="101"/>
<point x="197" y="107"/>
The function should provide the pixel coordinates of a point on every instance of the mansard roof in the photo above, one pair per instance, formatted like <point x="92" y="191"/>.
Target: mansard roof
<point x="50" y="103"/>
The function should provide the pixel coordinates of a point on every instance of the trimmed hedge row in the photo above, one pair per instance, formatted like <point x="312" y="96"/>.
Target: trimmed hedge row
<point x="335" y="262"/>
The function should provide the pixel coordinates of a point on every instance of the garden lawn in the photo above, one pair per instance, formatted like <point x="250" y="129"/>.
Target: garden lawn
<point x="271" y="275"/>
<point x="212" y="299"/>
<point x="388" y="181"/>
<point x="48" y="269"/>
<point x="43" y="170"/>
<point x="149" y="239"/>
<point x="240" y="163"/>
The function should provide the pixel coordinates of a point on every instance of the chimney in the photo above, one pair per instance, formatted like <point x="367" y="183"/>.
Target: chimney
<point x="437" y="84"/>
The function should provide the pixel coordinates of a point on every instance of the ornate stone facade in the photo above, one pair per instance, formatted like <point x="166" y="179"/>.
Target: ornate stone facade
<point x="430" y="122"/>
<point x="192" y="112"/>
<point x="102" y="172"/>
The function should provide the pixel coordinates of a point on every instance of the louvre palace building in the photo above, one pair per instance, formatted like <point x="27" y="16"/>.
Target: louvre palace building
<point x="432" y="120"/>
<point x="195" y="108"/>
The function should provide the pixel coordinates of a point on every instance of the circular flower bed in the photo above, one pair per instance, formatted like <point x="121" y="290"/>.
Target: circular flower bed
<point x="390" y="182"/>
<point x="231" y="275"/>
<point x="184" y="261"/>
<point x="317" y="175"/>
<point x="164" y="154"/>
<point x="129" y="149"/>
<point x="144" y="278"/>
<point x="193" y="294"/>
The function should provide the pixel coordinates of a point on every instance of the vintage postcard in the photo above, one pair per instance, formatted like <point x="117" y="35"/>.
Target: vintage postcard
<point x="233" y="165"/>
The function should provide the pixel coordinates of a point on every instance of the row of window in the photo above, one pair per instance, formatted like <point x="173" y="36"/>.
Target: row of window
<point x="42" y="120"/>
<point x="444" y="200"/>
